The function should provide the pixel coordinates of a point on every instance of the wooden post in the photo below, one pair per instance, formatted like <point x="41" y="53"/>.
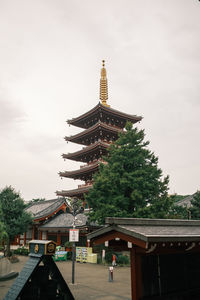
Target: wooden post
<point x="133" y="275"/>
<point x="139" y="275"/>
<point x="33" y="233"/>
<point x="84" y="204"/>
<point x="58" y="238"/>
<point x="24" y="238"/>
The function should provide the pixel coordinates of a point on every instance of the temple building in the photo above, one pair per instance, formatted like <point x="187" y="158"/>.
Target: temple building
<point x="42" y="212"/>
<point x="52" y="222"/>
<point x="101" y="126"/>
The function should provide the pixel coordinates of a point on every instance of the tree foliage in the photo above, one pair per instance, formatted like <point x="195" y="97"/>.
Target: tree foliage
<point x="3" y="234"/>
<point x="130" y="184"/>
<point x="195" y="206"/>
<point x="13" y="215"/>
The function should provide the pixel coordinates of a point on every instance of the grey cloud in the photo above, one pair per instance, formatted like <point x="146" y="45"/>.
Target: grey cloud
<point x="10" y="115"/>
<point x="43" y="144"/>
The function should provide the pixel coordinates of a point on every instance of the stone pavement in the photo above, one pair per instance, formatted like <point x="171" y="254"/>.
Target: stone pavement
<point x="91" y="281"/>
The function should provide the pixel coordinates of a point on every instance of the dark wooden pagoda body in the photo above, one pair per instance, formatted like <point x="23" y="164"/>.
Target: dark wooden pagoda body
<point x="102" y="126"/>
<point x="165" y="255"/>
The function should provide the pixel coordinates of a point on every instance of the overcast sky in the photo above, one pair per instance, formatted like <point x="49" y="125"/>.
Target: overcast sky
<point x="50" y="61"/>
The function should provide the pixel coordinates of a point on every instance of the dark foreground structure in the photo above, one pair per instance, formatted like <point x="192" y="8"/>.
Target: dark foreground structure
<point x="165" y="255"/>
<point x="40" y="278"/>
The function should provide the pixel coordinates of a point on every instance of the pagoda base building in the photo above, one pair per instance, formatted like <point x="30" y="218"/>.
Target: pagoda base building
<point x="52" y="222"/>
<point x="101" y="126"/>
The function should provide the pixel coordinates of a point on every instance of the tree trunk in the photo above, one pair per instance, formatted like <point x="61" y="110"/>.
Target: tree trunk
<point x="7" y="252"/>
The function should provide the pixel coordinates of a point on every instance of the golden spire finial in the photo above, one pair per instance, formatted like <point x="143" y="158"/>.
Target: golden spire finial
<point x="103" y="85"/>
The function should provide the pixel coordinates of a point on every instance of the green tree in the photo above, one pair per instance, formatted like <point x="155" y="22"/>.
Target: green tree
<point x="3" y="234"/>
<point x="130" y="184"/>
<point x="195" y="206"/>
<point x="13" y="216"/>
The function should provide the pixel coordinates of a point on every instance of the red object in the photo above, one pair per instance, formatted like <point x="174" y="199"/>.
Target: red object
<point x="114" y="260"/>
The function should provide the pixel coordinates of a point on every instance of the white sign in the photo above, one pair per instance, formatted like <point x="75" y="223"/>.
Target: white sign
<point x="129" y="245"/>
<point x="74" y="235"/>
<point x="103" y="253"/>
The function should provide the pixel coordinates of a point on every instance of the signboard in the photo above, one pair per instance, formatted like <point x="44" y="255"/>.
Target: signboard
<point x="74" y="235"/>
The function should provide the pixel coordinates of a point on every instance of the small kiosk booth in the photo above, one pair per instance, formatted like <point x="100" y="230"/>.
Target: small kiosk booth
<point x="165" y="255"/>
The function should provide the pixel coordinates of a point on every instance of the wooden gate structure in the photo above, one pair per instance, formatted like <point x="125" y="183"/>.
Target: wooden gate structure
<point x="165" y="255"/>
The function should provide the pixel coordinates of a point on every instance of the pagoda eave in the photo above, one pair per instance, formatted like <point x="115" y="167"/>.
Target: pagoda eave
<point x="85" y="171"/>
<point x="75" y="193"/>
<point x="91" y="117"/>
<point x="98" y="148"/>
<point x="88" y="136"/>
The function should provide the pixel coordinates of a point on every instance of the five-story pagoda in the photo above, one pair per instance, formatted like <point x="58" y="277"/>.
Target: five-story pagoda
<point x="101" y="125"/>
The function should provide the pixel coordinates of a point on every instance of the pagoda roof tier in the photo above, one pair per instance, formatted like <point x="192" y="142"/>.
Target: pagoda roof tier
<point x="98" y="131"/>
<point x="79" y="192"/>
<point x="84" y="173"/>
<point x="88" y="153"/>
<point x="106" y="114"/>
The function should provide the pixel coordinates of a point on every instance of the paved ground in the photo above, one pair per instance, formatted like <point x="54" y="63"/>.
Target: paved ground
<point x="91" y="281"/>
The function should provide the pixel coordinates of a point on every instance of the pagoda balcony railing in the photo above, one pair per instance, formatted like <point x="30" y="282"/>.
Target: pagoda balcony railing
<point x="113" y="124"/>
<point x="85" y="184"/>
<point x="83" y="166"/>
<point x="92" y="162"/>
<point x="97" y="141"/>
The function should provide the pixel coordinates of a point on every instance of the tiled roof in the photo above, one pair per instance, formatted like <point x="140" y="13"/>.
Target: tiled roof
<point x="99" y="108"/>
<point x="45" y="208"/>
<point x="79" y="137"/>
<point x="186" y="201"/>
<point x="89" y="150"/>
<point x="76" y="192"/>
<point x="65" y="220"/>
<point x="153" y="230"/>
<point x="87" y="169"/>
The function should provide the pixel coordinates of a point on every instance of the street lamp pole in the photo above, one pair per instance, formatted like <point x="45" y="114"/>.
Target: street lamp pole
<point x="73" y="256"/>
<point x="74" y="212"/>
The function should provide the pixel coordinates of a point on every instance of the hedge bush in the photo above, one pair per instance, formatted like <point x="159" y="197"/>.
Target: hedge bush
<point x="21" y="251"/>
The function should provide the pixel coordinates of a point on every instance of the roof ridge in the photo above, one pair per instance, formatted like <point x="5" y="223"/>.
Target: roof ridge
<point x="40" y="202"/>
<point x="84" y="114"/>
<point x="151" y="222"/>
